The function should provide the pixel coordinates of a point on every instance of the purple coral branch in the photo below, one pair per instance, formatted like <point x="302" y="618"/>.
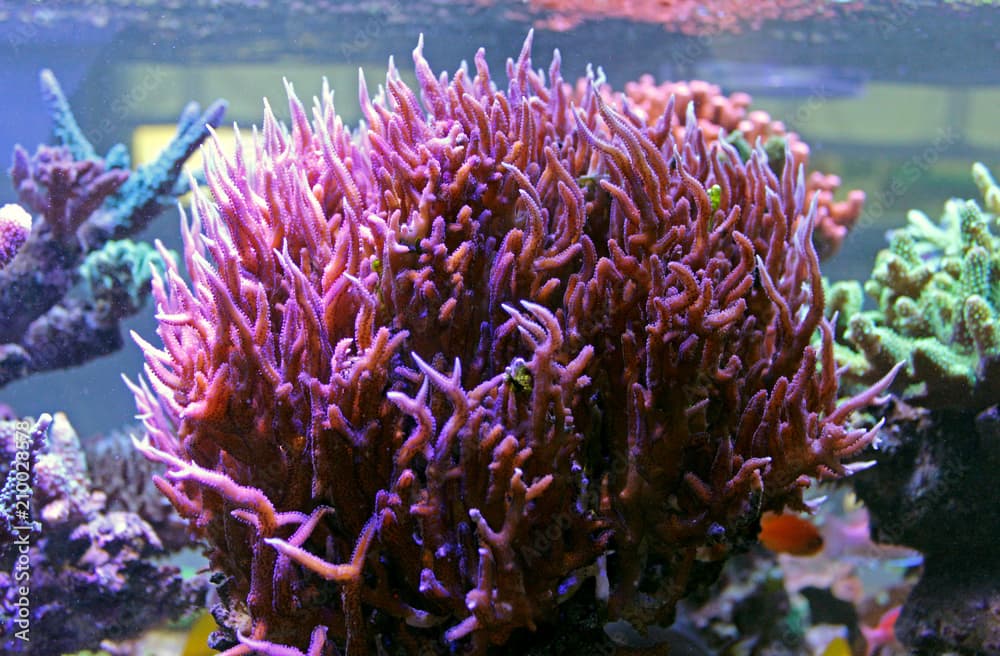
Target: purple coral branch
<point x="84" y="201"/>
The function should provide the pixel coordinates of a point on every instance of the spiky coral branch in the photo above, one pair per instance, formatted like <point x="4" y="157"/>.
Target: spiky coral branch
<point x="82" y="201"/>
<point x="486" y="315"/>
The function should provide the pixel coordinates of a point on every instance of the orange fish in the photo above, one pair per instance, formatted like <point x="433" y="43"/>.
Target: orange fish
<point x="883" y="633"/>
<point x="789" y="534"/>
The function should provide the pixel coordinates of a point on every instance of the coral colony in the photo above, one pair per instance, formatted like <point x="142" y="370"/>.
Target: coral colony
<point x="937" y="293"/>
<point x="75" y="276"/>
<point x="66" y="279"/>
<point x="937" y="289"/>
<point x="15" y="225"/>
<point x="405" y="354"/>
<point x="687" y="16"/>
<point x="65" y="551"/>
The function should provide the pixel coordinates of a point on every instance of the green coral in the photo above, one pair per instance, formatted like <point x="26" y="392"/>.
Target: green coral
<point x="987" y="187"/>
<point x="937" y="292"/>
<point x="774" y="147"/>
<point x="115" y="279"/>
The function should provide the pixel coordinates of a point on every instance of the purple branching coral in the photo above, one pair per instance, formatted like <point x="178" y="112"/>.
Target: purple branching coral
<point x="64" y="553"/>
<point x="407" y="354"/>
<point x="53" y="305"/>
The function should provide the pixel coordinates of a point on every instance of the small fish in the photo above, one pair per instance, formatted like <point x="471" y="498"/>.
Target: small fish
<point x="883" y="633"/>
<point x="789" y="534"/>
<point x="197" y="641"/>
<point x="838" y="647"/>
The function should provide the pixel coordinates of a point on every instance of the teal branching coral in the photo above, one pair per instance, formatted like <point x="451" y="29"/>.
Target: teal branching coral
<point x="115" y="279"/>
<point x="937" y="290"/>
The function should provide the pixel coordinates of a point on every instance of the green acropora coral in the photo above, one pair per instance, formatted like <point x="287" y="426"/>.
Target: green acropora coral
<point x="937" y="295"/>
<point x="116" y="277"/>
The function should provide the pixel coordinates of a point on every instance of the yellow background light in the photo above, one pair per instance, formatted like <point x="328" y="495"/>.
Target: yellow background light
<point x="149" y="140"/>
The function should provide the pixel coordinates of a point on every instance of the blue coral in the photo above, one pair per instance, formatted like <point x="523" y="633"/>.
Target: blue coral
<point x="85" y="201"/>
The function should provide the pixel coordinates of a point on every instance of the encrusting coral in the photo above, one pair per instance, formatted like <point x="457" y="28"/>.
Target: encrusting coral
<point x="497" y="350"/>
<point x="86" y="205"/>
<point x="126" y="479"/>
<point x="703" y="18"/>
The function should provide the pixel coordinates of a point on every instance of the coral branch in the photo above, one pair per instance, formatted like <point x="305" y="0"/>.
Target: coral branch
<point x="83" y="201"/>
<point x="514" y="338"/>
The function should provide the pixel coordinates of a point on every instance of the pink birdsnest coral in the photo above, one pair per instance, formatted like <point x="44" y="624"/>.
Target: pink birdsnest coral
<point x="407" y="353"/>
